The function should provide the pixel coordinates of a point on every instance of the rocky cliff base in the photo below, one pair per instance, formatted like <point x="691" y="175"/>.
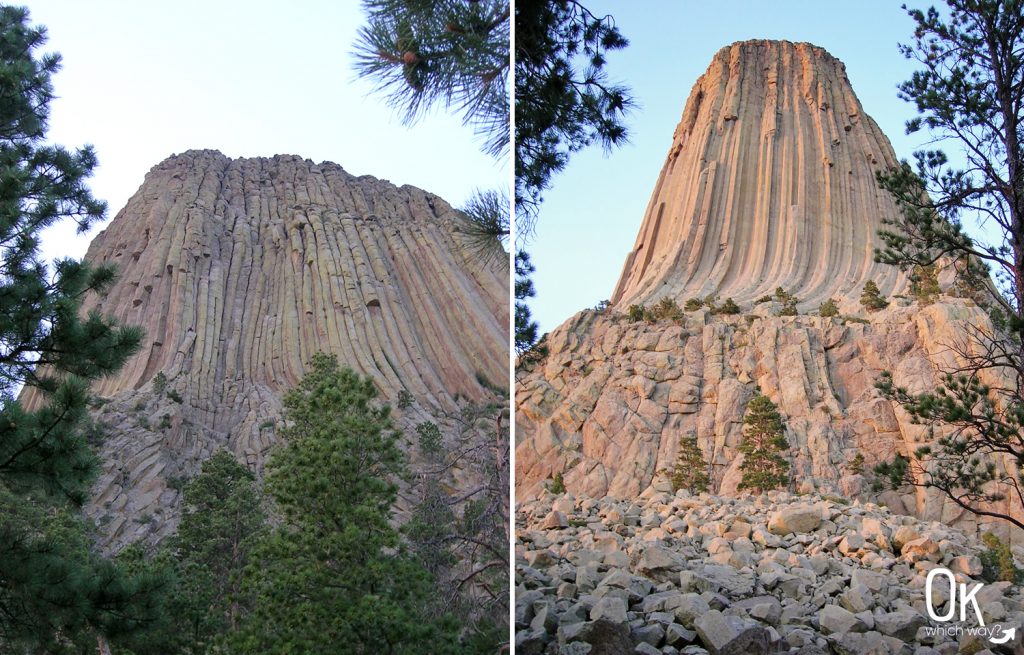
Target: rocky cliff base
<point x="775" y="573"/>
<point x="608" y="405"/>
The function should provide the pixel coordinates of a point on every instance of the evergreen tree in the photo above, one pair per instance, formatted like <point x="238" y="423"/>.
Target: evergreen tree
<point x="452" y="52"/>
<point x="526" y="327"/>
<point x="334" y="577"/>
<point x="872" y="297"/>
<point x="53" y="587"/>
<point x="828" y="308"/>
<point x="691" y="469"/>
<point x="564" y="99"/>
<point x="764" y="441"/>
<point x="221" y="522"/>
<point x="969" y="94"/>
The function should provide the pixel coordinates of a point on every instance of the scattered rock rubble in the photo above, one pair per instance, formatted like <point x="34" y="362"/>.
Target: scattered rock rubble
<point x="755" y="574"/>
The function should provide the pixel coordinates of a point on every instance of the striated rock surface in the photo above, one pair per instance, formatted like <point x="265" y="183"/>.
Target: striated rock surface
<point x="769" y="182"/>
<point x="608" y="405"/>
<point x="667" y="574"/>
<point x="239" y="271"/>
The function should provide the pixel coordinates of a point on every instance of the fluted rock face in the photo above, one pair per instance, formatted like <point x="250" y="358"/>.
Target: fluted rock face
<point x="770" y="181"/>
<point x="239" y="271"/>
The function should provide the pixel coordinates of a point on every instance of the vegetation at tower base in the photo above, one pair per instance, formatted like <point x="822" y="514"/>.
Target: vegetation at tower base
<point x="462" y="540"/>
<point x="335" y="572"/>
<point x="56" y="593"/>
<point x="691" y="469"/>
<point x="423" y="52"/>
<point x="969" y="93"/>
<point x="223" y="521"/>
<point x="764" y="441"/>
<point x="871" y="297"/>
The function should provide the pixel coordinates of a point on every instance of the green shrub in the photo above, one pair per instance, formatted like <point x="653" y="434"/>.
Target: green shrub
<point x="872" y="298"/>
<point x="159" y="383"/>
<point x="557" y="485"/>
<point x="788" y="302"/>
<point x="727" y="307"/>
<point x="667" y="310"/>
<point x="924" y="283"/>
<point x="690" y="471"/>
<point x="997" y="562"/>
<point x="693" y="304"/>
<point x="857" y="464"/>
<point x="429" y="438"/>
<point x="165" y="422"/>
<point x="828" y="308"/>
<point x="763" y="299"/>
<point x="405" y="399"/>
<point x="636" y="313"/>
<point x="266" y="425"/>
<point x="174" y="395"/>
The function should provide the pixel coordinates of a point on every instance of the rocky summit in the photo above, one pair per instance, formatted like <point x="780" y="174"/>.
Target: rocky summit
<point x="239" y="271"/>
<point x="671" y="573"/>
<point x="769" y="181"/>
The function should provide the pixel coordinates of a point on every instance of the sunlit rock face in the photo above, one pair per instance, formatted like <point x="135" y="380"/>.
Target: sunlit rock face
<point x="239" y="270"/>
<point x="769" y="182"/>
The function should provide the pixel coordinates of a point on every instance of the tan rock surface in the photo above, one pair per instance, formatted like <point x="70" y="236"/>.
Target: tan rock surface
<point x="239" y="271"/>
<point x="608" y="405"/>
<point x="770" y="181"/>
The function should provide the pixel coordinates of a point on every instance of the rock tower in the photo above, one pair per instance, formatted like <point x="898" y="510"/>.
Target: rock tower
<point x="239" y="270"/>
<point x="769" y="182"/>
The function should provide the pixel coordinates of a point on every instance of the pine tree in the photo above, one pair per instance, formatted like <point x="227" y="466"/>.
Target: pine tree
<point x="564" y="99"/>
<point x="52" y="585"/>
<point x="334" y="577"/>
<point x="691" y="469"/>
<point x="451" y="52"/>
<point x="872" y="297"/>
<point x="222" y="521"/>
<point x="764" y="441"/>
<point x="526" y="329"/>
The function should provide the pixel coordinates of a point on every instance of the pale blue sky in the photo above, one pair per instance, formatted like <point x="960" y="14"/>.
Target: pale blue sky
<point x="143" y="80"/>
<point x="590" y="218"/>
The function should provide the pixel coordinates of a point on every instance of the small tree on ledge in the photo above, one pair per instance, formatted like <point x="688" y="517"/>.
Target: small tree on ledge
<point x="872" y="298"/>
<point x="764" y="441"/>
<point x="690" y="472"/>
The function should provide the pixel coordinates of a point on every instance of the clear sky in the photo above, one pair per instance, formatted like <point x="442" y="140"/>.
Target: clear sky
<point x="590" y="218"/>
<point x="143" y="80"/>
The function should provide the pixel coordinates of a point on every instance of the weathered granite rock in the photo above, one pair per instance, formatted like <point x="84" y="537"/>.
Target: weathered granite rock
<point x="800" y="594"/>
<point x="239" y="270"/>
<point x="727" y="215"/>
<point x="797" y="519"/>
<point x="607" y="406"/>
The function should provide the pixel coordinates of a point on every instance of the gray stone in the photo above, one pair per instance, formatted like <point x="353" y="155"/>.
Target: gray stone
<point x="605" y="637"/>
<point x="833" y="619"/>
<point x="722" y="634"/>
<point x="902" y="624"/>
<point x="797" y="519"/>
<point x="690" y="607"/>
